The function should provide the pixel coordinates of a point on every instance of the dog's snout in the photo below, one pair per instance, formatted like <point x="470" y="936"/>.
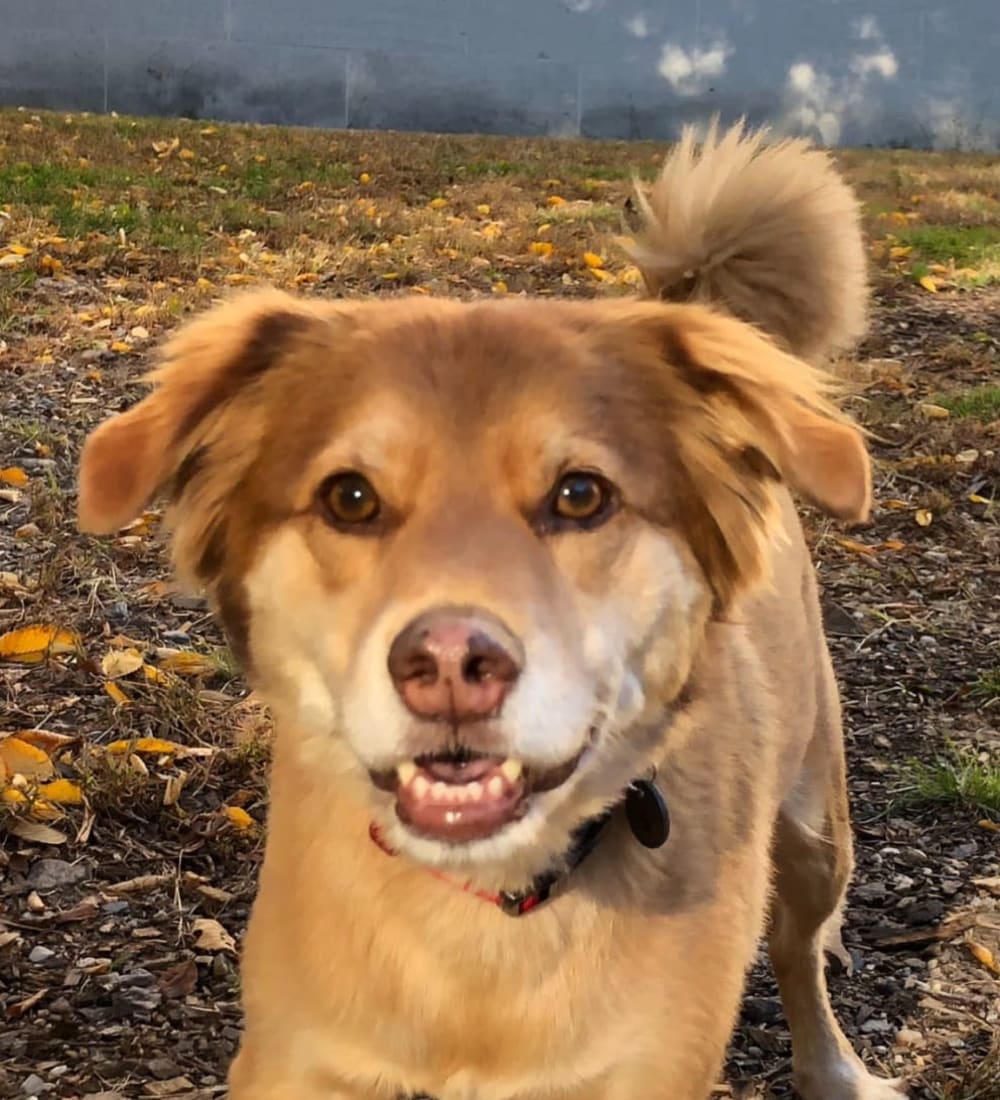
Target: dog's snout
<point x="457" y="665"/>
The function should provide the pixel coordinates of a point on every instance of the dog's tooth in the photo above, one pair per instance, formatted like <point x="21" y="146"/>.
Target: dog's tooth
<point x="439" y="791"/>
<point x="511" y="769"/>
<point x="495" y="787"/>
<point x="407" y="772"/>
<point x="474" y="791"/>
<point x="421" y="787"/>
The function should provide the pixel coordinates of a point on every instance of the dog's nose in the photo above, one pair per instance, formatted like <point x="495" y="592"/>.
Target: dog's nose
<point x="455" y="664"/>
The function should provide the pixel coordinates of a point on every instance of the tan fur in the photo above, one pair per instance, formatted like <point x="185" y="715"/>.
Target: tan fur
<point x="684" y="632"/>
<point x="770" y="231"/>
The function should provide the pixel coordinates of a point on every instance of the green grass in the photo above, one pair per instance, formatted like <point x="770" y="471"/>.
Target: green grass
<point x="982" y="403"/>
<point x="958" y="778"/>
<point x="967" y="246"/>
<point x="988" y="685"/>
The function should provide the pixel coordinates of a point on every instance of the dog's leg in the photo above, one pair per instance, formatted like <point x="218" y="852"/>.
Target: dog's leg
<point x="813" y="861"/>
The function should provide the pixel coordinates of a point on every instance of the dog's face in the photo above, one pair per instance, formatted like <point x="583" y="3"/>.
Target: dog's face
<point x="467" y="552"/>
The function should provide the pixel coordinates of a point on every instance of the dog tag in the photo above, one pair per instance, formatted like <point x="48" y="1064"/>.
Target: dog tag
<point x="647" y="813"/>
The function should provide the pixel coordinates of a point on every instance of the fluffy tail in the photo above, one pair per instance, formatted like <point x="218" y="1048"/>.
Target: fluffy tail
<point x="770" y="232"/>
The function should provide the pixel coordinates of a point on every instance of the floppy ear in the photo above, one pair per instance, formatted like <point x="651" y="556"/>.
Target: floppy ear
<point x="741" y="416"/>
<point x="129" y="457"/>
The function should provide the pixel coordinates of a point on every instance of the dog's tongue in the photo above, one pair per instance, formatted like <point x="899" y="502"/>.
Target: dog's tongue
<point x="460" y="801"/>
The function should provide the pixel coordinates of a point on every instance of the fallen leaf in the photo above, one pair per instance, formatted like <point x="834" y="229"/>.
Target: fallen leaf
<point x="484" y="209"/>
<point x="554" y="200"/>
<point x="35" y="831"/>
<point x="17" y="1010"/>
<point x="137" y="885"/>
<point x="187" y="663"/>
<point x="31" y="644"/>
<point x="7" y="938"/>
<point x="173" y="787"/>
<point x="14" y="475"/>
<point x="180" y="980"/>
<point x="992" y="883"/>
<point x="143" y="744"/>
<point x="983" y="955"/>
<point x="42" y="739"/>
<point x="62" y="791"/>
<point x="975" y="498"/>
<point x="121" y="662"/>
<point x="928" y="283"/>
<point x="989" y="826"/>
<point x="116" y="693"/>
<point x="215" y="893"/>
<point x="855" y="547"/>
<point x="238" y="817"/>
<point x="438" y="204"/>
<point x="541" y="248"/>
<point x="364" y="178"/>
<point x="591" y="259"/>
<point x="934" y="412"/>
<point x="20" y="758"/>
<point x="211" y="936"/>
<point x="923" y="517"/>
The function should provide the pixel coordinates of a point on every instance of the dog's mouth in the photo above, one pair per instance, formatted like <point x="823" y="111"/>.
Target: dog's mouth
<point x="461" y="796"/>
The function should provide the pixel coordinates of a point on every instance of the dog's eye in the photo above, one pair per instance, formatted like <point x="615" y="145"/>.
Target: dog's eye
<point x="582" y="498"/>
<point x="349" y="499"/>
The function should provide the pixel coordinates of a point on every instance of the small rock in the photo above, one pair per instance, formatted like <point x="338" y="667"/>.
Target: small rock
<point x="135" y="993"/>
<point x="908" y="1037"/>
<point x="189" y="603"/>
<point x="40" y="954"/>
<point x="761" y="1010"/>
<point x="47" y="874"/>
<point x="33" y="1085"/>
<point x="163" y="1068"/>
<point x="117" y="612"/>
<point x="112" y="907"/>
<point x="179" y="637"/>
<point x="876" y="1026"/>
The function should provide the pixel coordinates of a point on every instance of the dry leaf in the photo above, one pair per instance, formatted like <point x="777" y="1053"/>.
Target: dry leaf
<point x="438" y="204"/>
<point x="855" y="547"/>
<point x="188" y="663"/>
<point x="137" y="885"/>
<point x="46" y="740"/>
<point x="983" y="955"/>
<point x="541" y="248"/>
<point x="173" y="787"/>
<point x="20" y="758"/>
<point x="143" y="744"/>
<point x="31" y="644"/>
<point x="7" y="938"/>
<point x="992" y="884"/>
<point x="238" y="817"/>
<point x="116" y="693"/>
<point x="14" y="475"/>
<point x="591" y="259"/>
<point x="121" y="662"/>
<point x="62" y="791"/>
<point x="16" y="1011"/>
<point x="929" y="283"/>
<point x="923" y="517"/>
<point x="35" y="831"/>
<point x="212" y="936"/>
<point x="934" y="412"/>
<point x="180" y="980"/>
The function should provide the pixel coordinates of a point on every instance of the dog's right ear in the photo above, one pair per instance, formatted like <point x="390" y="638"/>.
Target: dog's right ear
<point x="129" y="457"/>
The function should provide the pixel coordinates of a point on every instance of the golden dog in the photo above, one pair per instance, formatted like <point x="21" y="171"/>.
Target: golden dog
<point x="557" y="735"/>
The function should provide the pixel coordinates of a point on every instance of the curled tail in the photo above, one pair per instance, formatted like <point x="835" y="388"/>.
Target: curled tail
<point x="770" y="232"/>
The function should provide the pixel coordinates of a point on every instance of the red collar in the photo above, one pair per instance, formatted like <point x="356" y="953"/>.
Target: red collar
<point x="648" y="818"/>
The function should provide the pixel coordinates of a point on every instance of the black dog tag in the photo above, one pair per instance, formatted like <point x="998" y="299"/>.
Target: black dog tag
<point x="647" y="813"/>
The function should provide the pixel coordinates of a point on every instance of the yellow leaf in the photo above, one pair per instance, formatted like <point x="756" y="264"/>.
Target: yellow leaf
<point x="484" y="209"/>
<point x="212" y="936"/>
<point x="19" y="249"/>
<point x="928" y="283"/>
<point x="203" y="284"/>
<point x="554" y="200"/>
<point x="186" y="663"/>
<point x="20" y="758"/>
<point x="438" y="203"/>
<point x="121" y="662"/>
<point x="116" y="693"/>
<point x="12" y="796"/>
<point x="989" y="826"/>
<point x="365" y="178"/>
<point x="892" y="544"/>
<point x="31" y="644"/>
<point x="934" y="412"/>
<point x="155" y="675"/>
<point x="13" y="475"/>
<point x="42" y="739"/>
<point x="238" y="817"/>
<point x="143" y="744"/>
<point x="894" y="504"/>
<point x="924" y="517"/>
<point x="209" y="131"/>
<point x="591" y="259"/>
<point x="120" y="346"/>
<point x="600" y="274"/>
<point x="541" y="248"/>
<point x="306" y="185"/>
<point x="11" y="260"/>
<point x="984" y="955"/>
<point x="499" y="287"/>
<point x="63" y="791"/>
<point x="899" y="252"/>
<point x="187" y="154"/>
<point x="854" y="546"/>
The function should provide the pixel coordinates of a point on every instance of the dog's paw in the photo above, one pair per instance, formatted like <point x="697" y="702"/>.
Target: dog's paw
<point x="847" y="1079"/>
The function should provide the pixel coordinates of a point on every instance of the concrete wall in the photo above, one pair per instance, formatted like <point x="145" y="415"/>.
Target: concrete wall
<point x="851" y="72"/>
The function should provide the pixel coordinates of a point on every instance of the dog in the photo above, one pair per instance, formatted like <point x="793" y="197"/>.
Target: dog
<point x="557" y="734"/>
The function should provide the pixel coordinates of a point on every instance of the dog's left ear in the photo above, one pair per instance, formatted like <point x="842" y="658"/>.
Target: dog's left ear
<point x="203" y="368"/>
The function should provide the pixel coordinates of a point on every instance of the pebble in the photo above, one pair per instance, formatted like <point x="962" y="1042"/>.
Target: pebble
<point x="117" y="612"/>
<point x="909" y="1037"/>
<point x="876" y="1026"/>
<point x="33" y="1085"/>
<point x="40" y="954"/>
<point x="180" y="637"/>
<point x="47" y="874"/>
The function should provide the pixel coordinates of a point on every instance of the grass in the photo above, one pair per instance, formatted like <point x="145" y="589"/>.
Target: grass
<point x="982" y="403"/>
<point x="962" y="777"/>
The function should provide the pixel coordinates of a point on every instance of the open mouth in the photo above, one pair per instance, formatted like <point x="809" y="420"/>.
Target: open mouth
<point x="463" y="796"/>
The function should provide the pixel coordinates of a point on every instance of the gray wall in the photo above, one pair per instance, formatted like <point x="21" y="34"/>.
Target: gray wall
<point x="920" y="73"/>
